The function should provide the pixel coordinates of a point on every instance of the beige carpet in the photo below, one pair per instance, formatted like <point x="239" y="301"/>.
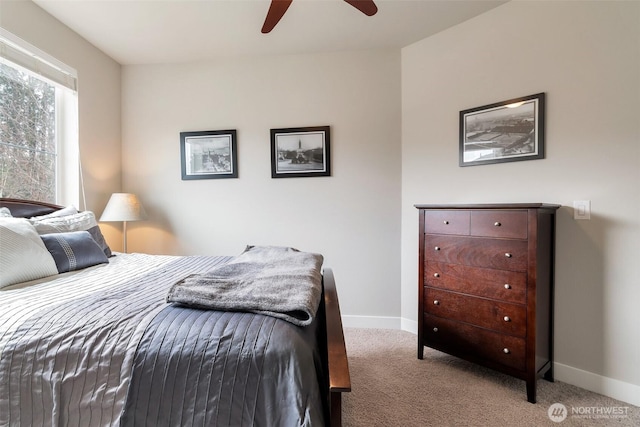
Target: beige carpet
<point x="391" y="387"/>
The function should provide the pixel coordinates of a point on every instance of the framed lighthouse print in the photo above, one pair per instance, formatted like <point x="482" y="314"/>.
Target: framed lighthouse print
<point x="300" y="152"/>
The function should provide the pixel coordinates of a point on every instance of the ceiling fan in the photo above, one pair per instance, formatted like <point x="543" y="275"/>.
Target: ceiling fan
<point x="279" y="7"/>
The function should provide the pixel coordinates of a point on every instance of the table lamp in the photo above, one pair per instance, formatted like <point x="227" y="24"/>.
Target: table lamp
<point x="123" y="207"/>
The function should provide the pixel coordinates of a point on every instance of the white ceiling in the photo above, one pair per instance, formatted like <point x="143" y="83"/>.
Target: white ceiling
<point x="169" y="31"/>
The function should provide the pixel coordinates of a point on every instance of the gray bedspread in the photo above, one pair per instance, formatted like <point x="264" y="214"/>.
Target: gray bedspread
<point x="119" y="355"/>
<point x="277" y="281"/>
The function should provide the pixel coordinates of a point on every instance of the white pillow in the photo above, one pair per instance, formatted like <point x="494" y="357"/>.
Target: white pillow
<point x="69" y="210"/>
<point x="5" y="213"/>
<point x="23" y="255"/>
<point x="62" y="224"/>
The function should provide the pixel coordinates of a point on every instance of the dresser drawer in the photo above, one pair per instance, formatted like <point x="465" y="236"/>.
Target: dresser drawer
<point x="497" y="223"/>
<point x="476" y="251"/>
<point x="461" y="338"/>
<point x="498" y="316"/>
<point x="504" y="285"/>
<point x="447" y="222"/>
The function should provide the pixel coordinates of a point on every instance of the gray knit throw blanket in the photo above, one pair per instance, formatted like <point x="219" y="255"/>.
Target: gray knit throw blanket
<point x="276" y="281"/>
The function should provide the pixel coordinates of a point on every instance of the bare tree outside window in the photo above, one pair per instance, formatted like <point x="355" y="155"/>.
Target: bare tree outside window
<point x="27" y="136"/>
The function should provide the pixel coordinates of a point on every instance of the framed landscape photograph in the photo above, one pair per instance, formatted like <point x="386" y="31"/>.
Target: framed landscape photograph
<point x="300" y="152"/>
<point x="209" y="154"/>
<point x="506" y="131"/>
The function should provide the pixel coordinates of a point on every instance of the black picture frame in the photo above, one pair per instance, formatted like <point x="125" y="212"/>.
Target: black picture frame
<point x="506" y="131"/>
<point x="210" y="154"/>
<point x="301" y="152"/>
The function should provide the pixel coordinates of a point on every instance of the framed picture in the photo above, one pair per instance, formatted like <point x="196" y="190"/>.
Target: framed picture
<point x="507" y="131"/>
<point x="300" y="152"/>
<point x="209" y="154"/>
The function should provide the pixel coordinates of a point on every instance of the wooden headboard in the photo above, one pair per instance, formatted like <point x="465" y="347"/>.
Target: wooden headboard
<point x="28" y="208"/>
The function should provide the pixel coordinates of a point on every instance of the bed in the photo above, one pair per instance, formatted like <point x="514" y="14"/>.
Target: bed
<point x="100" y="345"/>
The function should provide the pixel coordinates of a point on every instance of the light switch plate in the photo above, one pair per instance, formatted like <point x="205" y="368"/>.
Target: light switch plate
<point x="582" y="209"/>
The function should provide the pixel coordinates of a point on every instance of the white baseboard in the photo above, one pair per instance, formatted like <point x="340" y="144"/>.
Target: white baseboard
<point x="378" y="322"/>
<point x="381" y="322"/>
<point x="616" y="389"/>
<point x="409" y="325"/>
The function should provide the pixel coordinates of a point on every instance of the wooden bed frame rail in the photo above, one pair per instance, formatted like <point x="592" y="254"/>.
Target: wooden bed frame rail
<point x="339" y="380"/>
<point x="338" y="366"/>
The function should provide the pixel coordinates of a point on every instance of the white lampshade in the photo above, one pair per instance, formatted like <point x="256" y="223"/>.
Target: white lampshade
<point x="123" y="207"/>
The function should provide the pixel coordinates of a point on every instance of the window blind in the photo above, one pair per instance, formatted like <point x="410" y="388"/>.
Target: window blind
<point x="29" y="57"/>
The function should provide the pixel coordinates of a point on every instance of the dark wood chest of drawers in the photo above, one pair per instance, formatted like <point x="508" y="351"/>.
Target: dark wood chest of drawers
<point x="486" y="286"/>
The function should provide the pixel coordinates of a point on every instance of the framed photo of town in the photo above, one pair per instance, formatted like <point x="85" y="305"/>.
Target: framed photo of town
<point x="506" y="131"/>
<point x="209" y="154"/>
<point x="300" y="152"/>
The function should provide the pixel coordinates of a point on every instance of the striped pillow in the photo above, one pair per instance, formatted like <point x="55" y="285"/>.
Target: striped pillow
<point x="74" y="250"/>
<point x="23" y="255"/>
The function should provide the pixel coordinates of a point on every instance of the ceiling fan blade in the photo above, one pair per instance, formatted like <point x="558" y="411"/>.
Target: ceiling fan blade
<point x="368" y="7"/>
<point x="275" y="13"/>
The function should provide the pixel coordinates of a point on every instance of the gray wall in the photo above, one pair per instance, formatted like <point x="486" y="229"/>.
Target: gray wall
<point x="585" y="57"/>
<point x="352" y="217"/>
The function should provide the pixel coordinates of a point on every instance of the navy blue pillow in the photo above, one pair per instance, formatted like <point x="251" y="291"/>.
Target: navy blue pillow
<point x="74" y="250"/>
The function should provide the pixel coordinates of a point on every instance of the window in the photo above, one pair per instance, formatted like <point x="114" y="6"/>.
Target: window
<point x="38" y="125"/>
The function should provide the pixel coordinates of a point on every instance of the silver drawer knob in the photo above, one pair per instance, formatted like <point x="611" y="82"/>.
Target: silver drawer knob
<point x="446" y="222"/>
<point x="435" y="329"/>
<point x="507" y="319"/>
<point x="437" y="248"/>
<point x="508" y="255"/>
<point x="506" y="351"/>
<point x="436" y="274"/>
<point x="436" y="302"/>
<point x="507" y="286"/>
<point x="497" y="224"/>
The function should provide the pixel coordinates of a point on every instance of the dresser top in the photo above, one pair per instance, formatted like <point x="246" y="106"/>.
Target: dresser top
<point x="489" y="206"/>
